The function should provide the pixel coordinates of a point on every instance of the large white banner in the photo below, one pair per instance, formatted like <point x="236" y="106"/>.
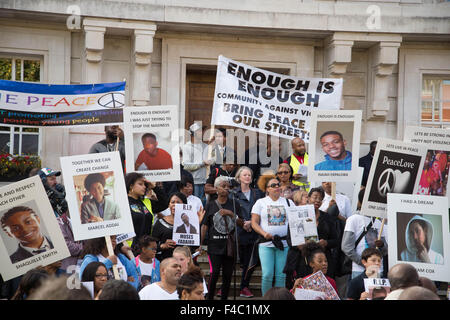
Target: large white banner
<point x="419" y="234"/>
<point x="96" y="195"/>
<point x="152" y="142"/>
<point x="435" y="170"/>
<point x="30" y="233"/>
<point x="395" y="169"/>
<point x="251" y="98"/>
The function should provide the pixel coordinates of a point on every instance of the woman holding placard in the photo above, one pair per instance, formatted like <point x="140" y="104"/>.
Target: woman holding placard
<point x="163" y="228"/>
<point x="272" y="228"/>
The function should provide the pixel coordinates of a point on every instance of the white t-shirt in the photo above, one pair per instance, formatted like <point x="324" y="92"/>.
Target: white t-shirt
<point x="273" y="217"/>
<point x="192" y="200"/>
<point x="195" y="202"/>
<point x="146" y="268"/>
<point x="356" y="224"/>
<point x="193" y="156"/>
<point x="155" y="292"/>
<point x="343" y="203"/>
<point x="120" y="267"/>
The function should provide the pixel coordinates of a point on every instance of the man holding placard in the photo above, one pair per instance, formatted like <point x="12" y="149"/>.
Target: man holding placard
<point x="299" y="163"/>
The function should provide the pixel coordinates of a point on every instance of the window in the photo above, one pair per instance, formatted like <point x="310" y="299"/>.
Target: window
<point x="20" y="140"/>
<point x="435" y="101"/>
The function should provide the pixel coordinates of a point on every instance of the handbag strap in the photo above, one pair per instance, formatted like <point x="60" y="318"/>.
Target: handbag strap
<point x="287" y="200"/>
<point x="366" y="229"/>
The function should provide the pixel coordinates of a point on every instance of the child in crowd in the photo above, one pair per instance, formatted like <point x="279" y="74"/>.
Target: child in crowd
<point x="371" y="260"/>
<point x="146" y="262"/>
<point x="317" y="260"/>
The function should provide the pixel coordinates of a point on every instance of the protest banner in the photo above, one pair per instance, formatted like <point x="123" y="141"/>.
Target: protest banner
<point x="30" y="235"/>
<point x="395" y="169"/>
<point x="186" y="230"/>
<point x="334" y="145"/>
<point x="377" y="288"/>
<point x="152" y="146"/>
<point x="435" y="170"/>
<point x="255" y="99"/>
<point x="91" y="179"/>
<point x="54" y="105"/>
<point x="318" y="282"/>
<point x="419" y="234"/>
<point x="302" y="224"/>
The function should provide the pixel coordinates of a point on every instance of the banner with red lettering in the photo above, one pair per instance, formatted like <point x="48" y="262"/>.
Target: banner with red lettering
<point x="47" y="105"/>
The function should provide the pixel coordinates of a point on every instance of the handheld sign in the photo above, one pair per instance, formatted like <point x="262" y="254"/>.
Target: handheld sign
<point x="186" y="230"/>
<point x="302" y="224"/>
<point x="334" y="145"/>
<point x="318" y="282"/>
<point x="435" y="171"/>
<point x="419" y="234"/>
<point x="377" y="288"/>
<point x="30" y="233"/>
<point x="152" y="146"/>
<point x="96" y="195"/>
<point x="395" y="169"/>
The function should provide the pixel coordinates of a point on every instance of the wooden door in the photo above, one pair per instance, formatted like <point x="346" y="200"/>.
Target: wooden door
<point x="200" y="87"/>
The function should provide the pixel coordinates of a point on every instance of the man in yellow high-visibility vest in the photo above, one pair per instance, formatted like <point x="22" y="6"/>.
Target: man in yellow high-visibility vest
<point x="297" y="159"/>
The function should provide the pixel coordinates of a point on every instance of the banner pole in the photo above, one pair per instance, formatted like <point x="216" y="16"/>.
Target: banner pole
<point x="111" y="253"/>
<point x="333" y="191"/>
<point x="381" y="229"/>
<point x="210" y="149"/>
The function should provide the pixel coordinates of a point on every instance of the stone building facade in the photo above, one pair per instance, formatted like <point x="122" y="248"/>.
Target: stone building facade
<point x="394" y="55"/>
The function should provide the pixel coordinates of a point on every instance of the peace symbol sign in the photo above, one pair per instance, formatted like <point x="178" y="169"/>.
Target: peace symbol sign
<point x="112" y="100"/>
<point x="386" y="182"/>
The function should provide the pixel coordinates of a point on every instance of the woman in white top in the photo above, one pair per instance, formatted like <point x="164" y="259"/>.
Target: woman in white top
<point x="269" y="220"/>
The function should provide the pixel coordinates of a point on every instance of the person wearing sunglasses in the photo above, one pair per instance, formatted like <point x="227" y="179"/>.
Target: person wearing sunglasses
<point x="269" y="220"/>
<point x="284" y="174"/>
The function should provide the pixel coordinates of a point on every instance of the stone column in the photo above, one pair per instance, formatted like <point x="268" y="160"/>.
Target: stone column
<point x="142" y="52"/>
<point x="93" y="52"/>
<point x="338" y="55"/>
<point x="384" y="58"/>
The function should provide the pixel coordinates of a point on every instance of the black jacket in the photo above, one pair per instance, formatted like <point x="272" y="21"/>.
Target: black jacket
<point x="326" y="230"/>
<point x="245" y="237"/>
<point x="366" y="163"/>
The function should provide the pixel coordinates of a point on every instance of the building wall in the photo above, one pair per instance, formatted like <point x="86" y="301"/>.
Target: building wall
<point x="309" y="38"/>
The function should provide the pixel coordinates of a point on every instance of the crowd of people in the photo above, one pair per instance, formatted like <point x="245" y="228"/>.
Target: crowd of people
<point x="242" y="213"/>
